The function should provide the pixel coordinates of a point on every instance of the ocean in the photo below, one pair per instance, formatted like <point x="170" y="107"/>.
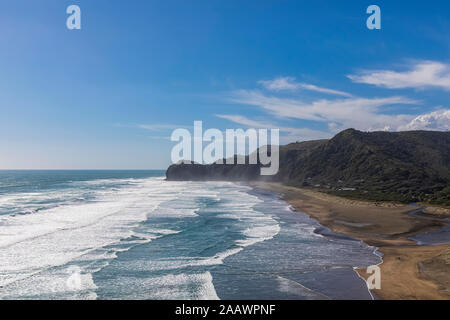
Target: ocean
<point x="133" y="235"/>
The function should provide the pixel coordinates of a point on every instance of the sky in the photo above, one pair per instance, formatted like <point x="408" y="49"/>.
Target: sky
<point x="109" y="95"/>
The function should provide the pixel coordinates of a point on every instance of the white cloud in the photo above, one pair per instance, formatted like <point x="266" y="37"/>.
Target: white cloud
<point x="289" y="83"/>
<point x="425" y="74"/>
<point x="437" y="120"/>
<point x="324" y="90"/>
<point x="347" y="111"/>
<point x="245" y="121"/>
<point x="360" y="113"/>
<point x="279" y="84"/>
<point x="289" y="134"/>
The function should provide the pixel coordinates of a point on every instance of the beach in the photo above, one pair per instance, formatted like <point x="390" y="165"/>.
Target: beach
<point x="134" y="235"/>
<point x="408" y="270"/>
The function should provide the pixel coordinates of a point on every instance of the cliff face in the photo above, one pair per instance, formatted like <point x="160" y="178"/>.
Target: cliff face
<point x="401" y="166"/>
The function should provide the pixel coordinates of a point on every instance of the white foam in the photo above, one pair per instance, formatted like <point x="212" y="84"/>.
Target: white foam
<point x="259" y="234"/>
<point x="36" y="249"/>
<point x="31" y="246"/>
<point x="260" y="227"/>
<point x="177" y="287"/>
<point x="53" y="283"/>
<point x="293" y="287"/>
<point x="193" y="286"/>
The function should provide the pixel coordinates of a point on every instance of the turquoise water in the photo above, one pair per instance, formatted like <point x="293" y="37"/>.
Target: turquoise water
<point x="133" y="235"/>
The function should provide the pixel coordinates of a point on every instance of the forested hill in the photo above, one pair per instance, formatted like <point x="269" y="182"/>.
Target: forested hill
<point x="402" y="166"/>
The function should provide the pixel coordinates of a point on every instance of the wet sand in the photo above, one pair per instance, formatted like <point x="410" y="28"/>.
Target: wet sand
<point x="408" y="271"/>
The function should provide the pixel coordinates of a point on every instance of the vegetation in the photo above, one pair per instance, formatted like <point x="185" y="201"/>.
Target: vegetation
<point x="411" y="166"/>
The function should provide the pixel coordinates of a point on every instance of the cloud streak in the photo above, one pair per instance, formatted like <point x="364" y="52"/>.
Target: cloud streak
<point x="422" y="75"/>
<point x="360" y="113"/>
<point x="245" y="121"/>
<point x="289" y="84"/>
<point x="290" y="134"/>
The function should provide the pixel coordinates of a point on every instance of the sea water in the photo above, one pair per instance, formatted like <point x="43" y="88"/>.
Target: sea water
<point x="134" y="235"/>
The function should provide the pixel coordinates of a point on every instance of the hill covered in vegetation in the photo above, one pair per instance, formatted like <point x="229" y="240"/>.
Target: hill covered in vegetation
<point x="411" y="166"/>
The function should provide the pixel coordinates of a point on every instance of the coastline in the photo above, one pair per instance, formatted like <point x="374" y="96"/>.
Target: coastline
<point x="408" y="270"/>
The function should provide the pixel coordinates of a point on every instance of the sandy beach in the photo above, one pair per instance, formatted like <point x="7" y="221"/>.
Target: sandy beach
<point x="409" y="270"/>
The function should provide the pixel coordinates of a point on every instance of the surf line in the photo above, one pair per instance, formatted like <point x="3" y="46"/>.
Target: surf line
<point x="355" y="269"/>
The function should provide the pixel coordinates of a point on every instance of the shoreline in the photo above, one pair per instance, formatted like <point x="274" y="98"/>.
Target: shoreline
<point x="408" y="270"/>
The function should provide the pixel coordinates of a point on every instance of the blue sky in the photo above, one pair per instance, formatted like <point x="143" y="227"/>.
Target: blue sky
<point x="108" y="96"/>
